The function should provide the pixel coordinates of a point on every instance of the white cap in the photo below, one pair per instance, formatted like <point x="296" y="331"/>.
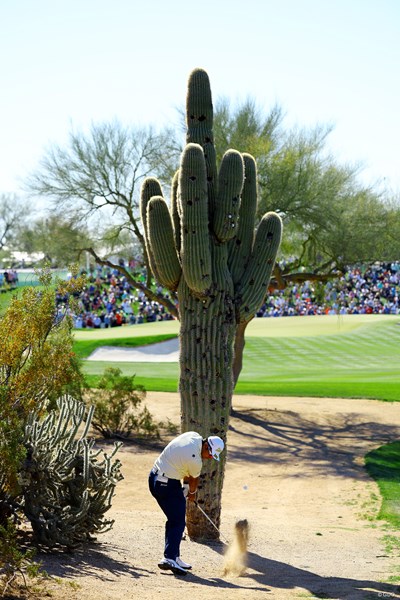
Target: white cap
<point x="216" y="446"/>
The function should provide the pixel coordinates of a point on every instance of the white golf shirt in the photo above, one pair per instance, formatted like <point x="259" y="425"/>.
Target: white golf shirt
<point x="182" y="457"/>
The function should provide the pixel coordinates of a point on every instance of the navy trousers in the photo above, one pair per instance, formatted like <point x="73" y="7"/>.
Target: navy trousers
<point x="171" y="500"/>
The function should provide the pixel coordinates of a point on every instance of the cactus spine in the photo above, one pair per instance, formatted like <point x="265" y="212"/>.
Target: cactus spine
<point x="221" y="269"/>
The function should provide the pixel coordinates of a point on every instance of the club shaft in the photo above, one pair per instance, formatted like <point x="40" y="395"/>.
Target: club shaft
<point x="208" y="519"/>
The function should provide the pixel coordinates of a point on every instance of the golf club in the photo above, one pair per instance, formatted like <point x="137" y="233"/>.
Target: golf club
<point x="212" y="523"/>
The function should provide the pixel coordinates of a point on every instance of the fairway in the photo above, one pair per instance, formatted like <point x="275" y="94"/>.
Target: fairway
<point x="263" y="327"/>
<point x="345" y="356"/>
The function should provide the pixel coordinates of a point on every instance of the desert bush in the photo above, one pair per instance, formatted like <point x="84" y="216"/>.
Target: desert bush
<point x="67" y="486"/>
<point x="117" y="401"/>
<point x="37" y="364"/>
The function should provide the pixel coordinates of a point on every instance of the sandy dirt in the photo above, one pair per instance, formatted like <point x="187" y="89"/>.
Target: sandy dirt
<point x="295" y="471"/>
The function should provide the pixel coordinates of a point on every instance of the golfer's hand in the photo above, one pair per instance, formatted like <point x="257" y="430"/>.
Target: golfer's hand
<point x="192" y="496"/>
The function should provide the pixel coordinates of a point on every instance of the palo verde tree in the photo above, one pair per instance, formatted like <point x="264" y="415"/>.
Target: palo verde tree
<point x="59" y="239"/>
<point x="205" y="247"/>
<point x="331" y="218"/>
<point x="98" y="174"/>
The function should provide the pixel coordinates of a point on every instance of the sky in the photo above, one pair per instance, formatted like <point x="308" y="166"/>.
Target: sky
<point x="66" y="64"/>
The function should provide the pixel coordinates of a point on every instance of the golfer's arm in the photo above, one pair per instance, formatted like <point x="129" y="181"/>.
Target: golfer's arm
<point x="193" y="483"/>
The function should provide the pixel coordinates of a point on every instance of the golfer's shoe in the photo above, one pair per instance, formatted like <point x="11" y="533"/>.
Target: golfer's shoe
<point x="183" y="564"/>
<point x="167" y="564"/>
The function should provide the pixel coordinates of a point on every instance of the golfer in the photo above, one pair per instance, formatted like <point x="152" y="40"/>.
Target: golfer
<point x="172" y="480"/>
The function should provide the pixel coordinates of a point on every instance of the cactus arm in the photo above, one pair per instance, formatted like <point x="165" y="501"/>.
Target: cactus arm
<point x="241" y="245"/>
<point x="199" y="121"/>
<point x="230" y="184"/>
<point x="88" y="422"/>
<point x="150" y="187"/>
<point x="258" y="273"/>
<point x="175" y="211"/>
<point x="195" y="250"/>
<point x="161" y="242"/>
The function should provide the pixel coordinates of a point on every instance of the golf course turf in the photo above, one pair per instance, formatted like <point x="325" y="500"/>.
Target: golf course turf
<point x="349" y="356"/>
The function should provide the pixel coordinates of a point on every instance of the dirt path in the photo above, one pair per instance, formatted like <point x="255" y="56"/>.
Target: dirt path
<point x="295" y="471"/>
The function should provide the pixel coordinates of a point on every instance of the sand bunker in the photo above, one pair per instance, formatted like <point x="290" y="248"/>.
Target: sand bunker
<point x="162" y="352"/>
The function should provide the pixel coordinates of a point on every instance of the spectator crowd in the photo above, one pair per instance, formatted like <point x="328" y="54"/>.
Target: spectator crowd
<point x="110" y="300"/>
<point x="8" y="280"/>
<point x="361" y="290"/>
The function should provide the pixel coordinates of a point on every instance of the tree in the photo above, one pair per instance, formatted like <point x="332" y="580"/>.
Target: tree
<point x="205" y="247"/>
<point x="59" y="239"/>
<point x="102" y="171"/>
<point x="13" y="213"/>
<point x="330" y="219"/>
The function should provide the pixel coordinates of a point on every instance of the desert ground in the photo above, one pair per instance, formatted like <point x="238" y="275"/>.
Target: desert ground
<point x="295" y="470"/>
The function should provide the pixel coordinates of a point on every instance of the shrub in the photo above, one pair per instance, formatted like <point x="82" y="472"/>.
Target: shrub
<point x="13" y="560"/>
<point x="117" y="400"/>
<point x="67" y="486"/>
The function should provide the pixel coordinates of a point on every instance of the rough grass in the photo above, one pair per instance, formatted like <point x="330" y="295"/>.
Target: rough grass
<point x="383" y="465"/>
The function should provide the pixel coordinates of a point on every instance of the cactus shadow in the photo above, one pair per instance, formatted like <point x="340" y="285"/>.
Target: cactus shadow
<point x="330" y="447"/>
<point x="92" y="560"/>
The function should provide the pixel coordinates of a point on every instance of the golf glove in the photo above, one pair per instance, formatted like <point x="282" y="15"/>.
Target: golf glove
<point x="185" y="489"/>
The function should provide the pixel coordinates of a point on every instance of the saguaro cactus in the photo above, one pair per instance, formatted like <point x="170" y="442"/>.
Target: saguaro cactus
<point x="204" y="246"/>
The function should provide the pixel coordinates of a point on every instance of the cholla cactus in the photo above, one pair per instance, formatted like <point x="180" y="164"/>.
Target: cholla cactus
<point x="205" y="247"/>
<point x="67" y="486"/>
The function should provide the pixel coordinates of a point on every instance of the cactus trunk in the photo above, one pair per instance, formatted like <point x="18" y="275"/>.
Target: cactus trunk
<point x="206" y="386"/>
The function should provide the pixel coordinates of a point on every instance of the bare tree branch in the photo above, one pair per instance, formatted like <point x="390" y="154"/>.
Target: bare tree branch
<point x="150" y="294"/>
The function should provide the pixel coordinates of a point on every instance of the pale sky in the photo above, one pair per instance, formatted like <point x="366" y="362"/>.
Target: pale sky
<point x="68" y="63"/>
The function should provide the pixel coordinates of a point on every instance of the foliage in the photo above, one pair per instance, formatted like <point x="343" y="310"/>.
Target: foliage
<point x="330" y="218"/>
<point x="67" y="485"/>
<point x="102" y="170"/>
<point x="13" y="560"/>
<point x="36" y="364"/>
<point x="58" y="238"/>
<point x="116" y="401"/>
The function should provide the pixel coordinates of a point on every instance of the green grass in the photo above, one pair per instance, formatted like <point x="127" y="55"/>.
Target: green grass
<point x="383" y="465"/>
<point x="29" y="278"/>
<point x="350" y="357"/>
<point x="5" y="299"/>
<point x="128" y="331"/>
